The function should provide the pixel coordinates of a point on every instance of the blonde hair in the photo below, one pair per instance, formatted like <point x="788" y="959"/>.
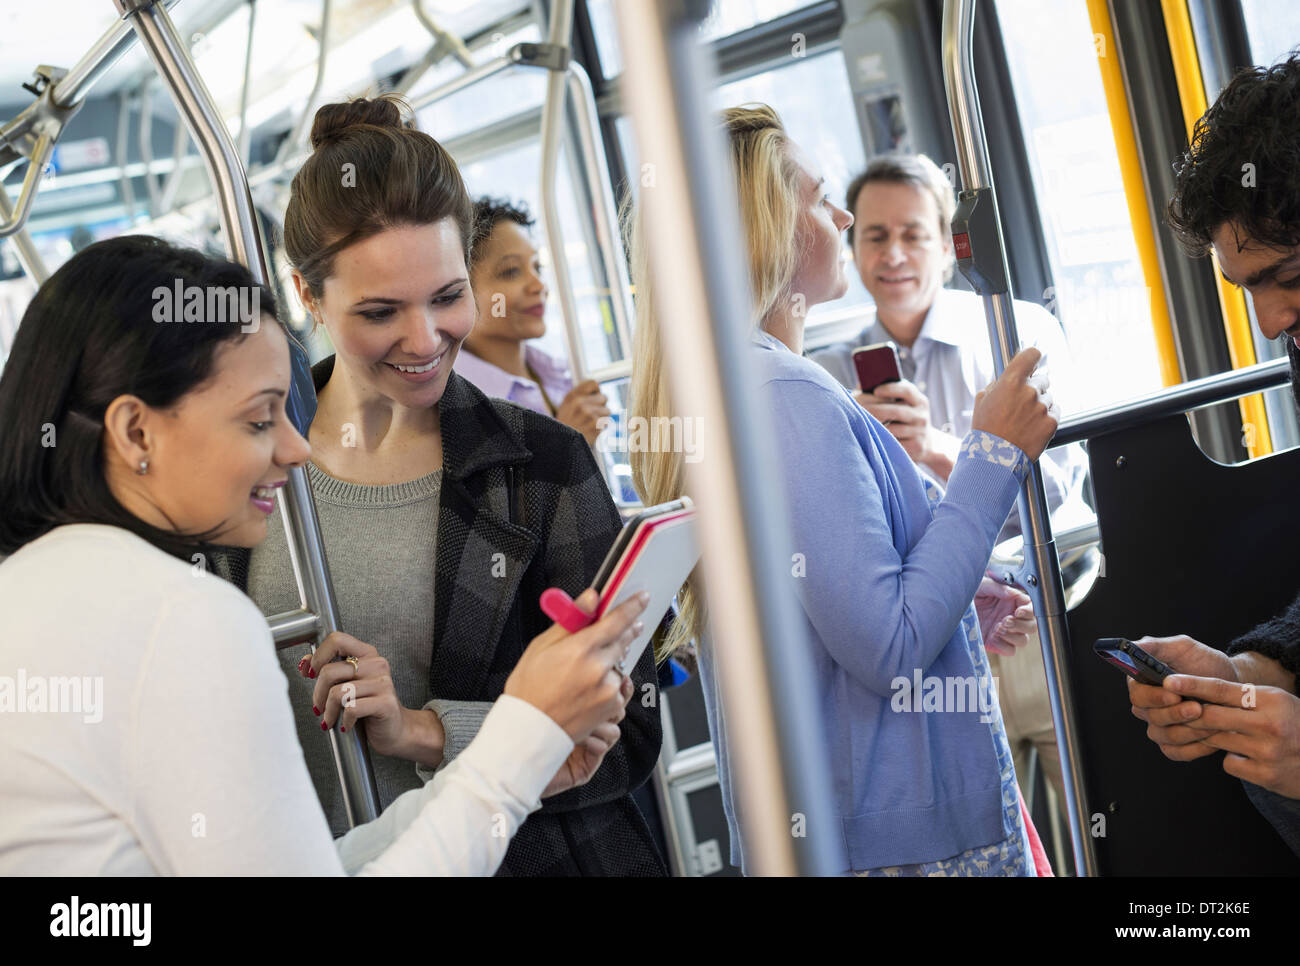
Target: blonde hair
<point x="766" y="178"/>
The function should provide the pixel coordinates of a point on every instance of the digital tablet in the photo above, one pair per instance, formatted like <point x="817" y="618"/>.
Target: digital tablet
<point x="655" y="552"/>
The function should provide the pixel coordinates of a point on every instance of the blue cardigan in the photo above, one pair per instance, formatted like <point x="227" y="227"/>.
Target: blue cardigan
<point x="885" y="580"/>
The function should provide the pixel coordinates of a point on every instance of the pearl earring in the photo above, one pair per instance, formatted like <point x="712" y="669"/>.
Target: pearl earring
<point x="144" y="467"/>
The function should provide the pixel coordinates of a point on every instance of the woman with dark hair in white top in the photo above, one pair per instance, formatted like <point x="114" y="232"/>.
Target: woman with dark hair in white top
<point x="144" y="423"/>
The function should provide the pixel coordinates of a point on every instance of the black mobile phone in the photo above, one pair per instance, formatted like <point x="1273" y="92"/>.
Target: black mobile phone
<point x="1132" y="660"/>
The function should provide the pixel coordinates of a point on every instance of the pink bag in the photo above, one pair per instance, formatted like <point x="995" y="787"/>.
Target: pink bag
<point x="1043" y="866"/>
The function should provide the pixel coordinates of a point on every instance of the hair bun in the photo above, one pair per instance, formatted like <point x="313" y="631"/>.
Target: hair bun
<point x="333" y="120"/>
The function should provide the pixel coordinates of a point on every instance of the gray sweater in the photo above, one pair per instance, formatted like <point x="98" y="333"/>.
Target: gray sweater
<point x="380" y="545"/>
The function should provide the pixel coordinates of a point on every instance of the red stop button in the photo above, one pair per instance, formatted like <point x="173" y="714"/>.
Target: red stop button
<point x="961" y="245"/>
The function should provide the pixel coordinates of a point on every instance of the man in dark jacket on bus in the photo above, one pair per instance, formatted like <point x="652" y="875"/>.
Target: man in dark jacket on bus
<point x="1238" y="195"/>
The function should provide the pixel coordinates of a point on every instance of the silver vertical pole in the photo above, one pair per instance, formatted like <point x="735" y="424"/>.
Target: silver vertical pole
<point x="1041" y="576"/>
<point x="245" y="136"/>
<point x="780" y="770"/>
<point x="195" y="105"/>
<point x="552" y="127"/>
<point x="604" y="213"/>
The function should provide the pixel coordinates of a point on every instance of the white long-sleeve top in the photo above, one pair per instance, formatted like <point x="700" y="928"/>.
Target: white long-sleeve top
<point x="145" y="729"/>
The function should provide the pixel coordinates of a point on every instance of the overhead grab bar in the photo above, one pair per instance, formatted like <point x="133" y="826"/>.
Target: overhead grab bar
<point x="442" y="37"/>
<point x="444" y="43"/>
<point x="107" y="51"/>
<point x="28" y="257"/>
<point x="294" y="141"/>
<point x="195" y="105"/>
<point x="172" y="184"/>
<point x="145" y="135"/>
<point x="60" y="94"/>
<point x="977" y="239"/>
<point x="120" y="150"/>
<point x="245" y="137"/>
<point x="42" y="150"/>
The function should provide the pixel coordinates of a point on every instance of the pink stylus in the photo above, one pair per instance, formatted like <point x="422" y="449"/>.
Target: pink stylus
<point x="559" y="607"/>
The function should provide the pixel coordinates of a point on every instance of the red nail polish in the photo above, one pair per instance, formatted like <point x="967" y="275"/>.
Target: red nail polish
<point x="311" y="673"/>
<point x="315" y="710"/>
<point x="341" y="728"/>
<point x="324" y="726"/>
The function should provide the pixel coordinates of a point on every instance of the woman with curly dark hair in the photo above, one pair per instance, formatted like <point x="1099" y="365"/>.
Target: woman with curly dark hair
<point x="497" y="356"/>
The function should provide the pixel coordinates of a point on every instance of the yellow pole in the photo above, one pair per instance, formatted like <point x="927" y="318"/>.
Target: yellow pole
<point x="1134" y="188"/>
<point x="1232" y="301"/>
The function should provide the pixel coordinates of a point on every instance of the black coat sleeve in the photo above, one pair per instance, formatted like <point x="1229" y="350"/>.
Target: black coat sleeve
<point x="582" y="528"/>
<point x="1278" y="638"/>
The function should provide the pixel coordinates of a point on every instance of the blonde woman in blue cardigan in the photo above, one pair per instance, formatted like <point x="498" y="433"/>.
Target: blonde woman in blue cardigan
<point x="923" y="786"/>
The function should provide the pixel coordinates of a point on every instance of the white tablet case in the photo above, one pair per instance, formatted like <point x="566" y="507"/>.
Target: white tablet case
<point x="658" y="561"/>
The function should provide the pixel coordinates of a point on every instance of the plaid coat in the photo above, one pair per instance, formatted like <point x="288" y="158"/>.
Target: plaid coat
<point x="521" y="484"/>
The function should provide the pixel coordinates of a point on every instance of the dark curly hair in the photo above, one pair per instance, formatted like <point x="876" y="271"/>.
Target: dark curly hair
<point x="1243" y="164"/>
<point x="488" y="213"/>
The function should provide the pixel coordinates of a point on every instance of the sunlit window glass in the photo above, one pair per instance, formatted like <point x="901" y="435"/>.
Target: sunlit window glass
<point x="1100" y="293"/>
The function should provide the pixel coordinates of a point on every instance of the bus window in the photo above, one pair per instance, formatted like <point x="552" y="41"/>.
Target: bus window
<point x="1100" y="293"/>
<point x="724" y="20"/>
<point x="1272" y="26"/>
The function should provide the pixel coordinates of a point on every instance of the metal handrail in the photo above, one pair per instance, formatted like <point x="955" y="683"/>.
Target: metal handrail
<point x="144" y="138"/>
<point x="41" y="151"/>
<point x="120" y="152"/>
<point x="36" y="129"/>
<point x="172" y="183"/>
<point x="245" y="137"/>
<point x="72" y="89"/>
<point x="1041" y="574"/>
<point x="1196" y="394"/>
<point x="28" y="257"/>
<point x="442" y="37"/>
<point x="779" y="765"/>
<point x="196" y="107"/>
<point x="568" y="78"/>
<point x="553" y="112"/>
<point x="604" y="210"/>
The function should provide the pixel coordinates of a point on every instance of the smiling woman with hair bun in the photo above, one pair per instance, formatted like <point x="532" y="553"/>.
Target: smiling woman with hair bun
<point x="445" y="514"/>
